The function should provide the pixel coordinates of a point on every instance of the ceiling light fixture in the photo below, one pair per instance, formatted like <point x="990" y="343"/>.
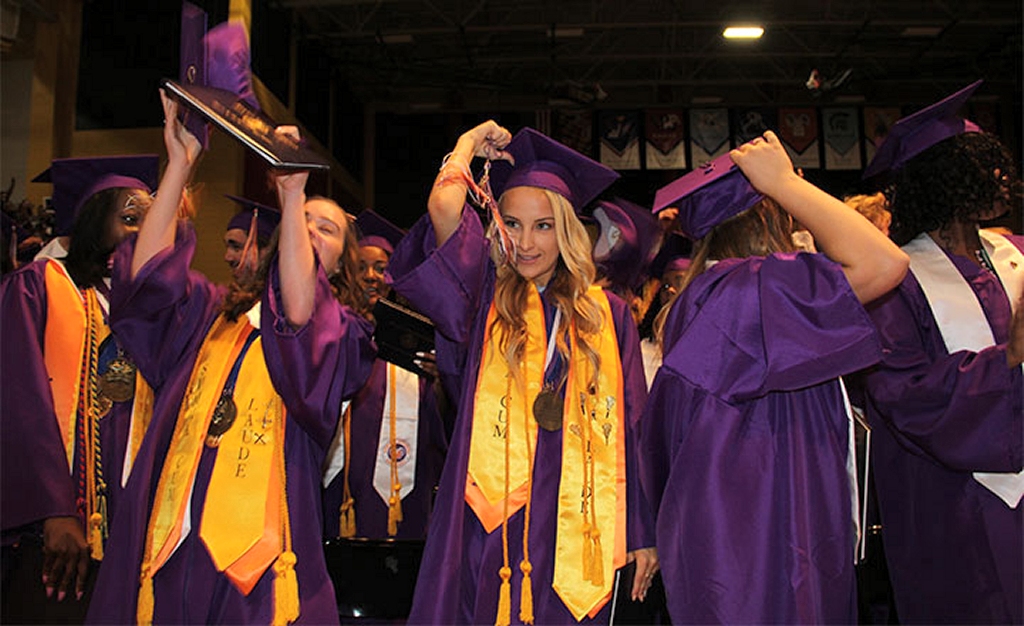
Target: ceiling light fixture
<point x="743" y="32"/>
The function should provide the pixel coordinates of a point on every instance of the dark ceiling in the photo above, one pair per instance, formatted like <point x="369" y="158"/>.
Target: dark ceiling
<point x="423" y="55"/>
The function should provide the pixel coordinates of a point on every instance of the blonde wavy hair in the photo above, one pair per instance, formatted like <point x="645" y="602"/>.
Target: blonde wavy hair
<point x="573" y="276"/>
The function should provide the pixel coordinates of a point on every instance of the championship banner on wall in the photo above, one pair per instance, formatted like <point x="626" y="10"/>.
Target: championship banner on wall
<point x="877" y="121"/>
<point x="620" y="139"/>
<point x="574" y="128"/>
<point x="709" y="134"/>
<point x="798" y="130"/>
<point x="842" y="138"/>
<point x="665" y="139"/>
<point x="751" y="123"/>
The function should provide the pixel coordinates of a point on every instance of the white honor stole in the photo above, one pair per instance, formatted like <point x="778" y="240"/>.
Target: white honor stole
<point x="402" y="396"/>
<point x="961" y="320"/>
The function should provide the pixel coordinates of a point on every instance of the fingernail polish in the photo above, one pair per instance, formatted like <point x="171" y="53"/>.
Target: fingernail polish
<point x="79" y="594"/>
<point x="60" y="596"/>
<point x="49" y="592"/>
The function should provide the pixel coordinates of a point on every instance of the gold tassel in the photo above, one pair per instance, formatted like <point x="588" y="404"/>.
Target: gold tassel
<point x="144" y="610"/>
<point x="398" y="502"/>
<point x="394" y="514"/>
<point x="348" y="519"/>
<point x="96" y="536"/>
<point x="597" y="573"/>
<point x="286" y="590"/>
<point x="588" y="553"/>
<point x="504" y="617"/>
<point x="526" y="594"/>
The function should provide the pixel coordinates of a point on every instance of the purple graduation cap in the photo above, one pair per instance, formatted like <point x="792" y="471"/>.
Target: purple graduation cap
<point x="267" y="217"/>
<point x="543" y="162"/>
<point x="708" y="196"/>
<point x="629" y="237"/>
<point x="76" y="180"/>
<point x="674" y="255"/>
<point x="915" y="133"/>
<point x="375" y="230"/>
<point x="218" y="59"/>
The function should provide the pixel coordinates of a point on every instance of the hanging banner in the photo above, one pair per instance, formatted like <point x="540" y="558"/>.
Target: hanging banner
<point x="798" y="130"/>
<point x="877" y="121"/>
<point x="665" y="139"/>
<point x="574" y="128"/>
<point x="842" y="138"/>
<point x="751" y="123"/>
<point x="620" y="139"/>
<point x="709" y="134"/>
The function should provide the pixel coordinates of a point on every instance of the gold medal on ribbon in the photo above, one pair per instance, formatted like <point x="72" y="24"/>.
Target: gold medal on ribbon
<point x="547" y="409"/>
<point x="118" y="382"/>
<point x="223" y="417"/>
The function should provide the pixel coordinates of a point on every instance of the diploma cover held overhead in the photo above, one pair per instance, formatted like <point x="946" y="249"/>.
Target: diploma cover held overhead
<point x="253" y="128"/>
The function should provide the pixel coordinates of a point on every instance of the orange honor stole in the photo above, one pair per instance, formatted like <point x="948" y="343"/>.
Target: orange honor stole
<point x="74" y="331"/>
<point x="244" y="523"/>
<point x="592" y="490"/>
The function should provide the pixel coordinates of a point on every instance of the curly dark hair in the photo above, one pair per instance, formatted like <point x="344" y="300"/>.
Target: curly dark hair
<point x="243" y="295"/>
<point x="953" y="181"/>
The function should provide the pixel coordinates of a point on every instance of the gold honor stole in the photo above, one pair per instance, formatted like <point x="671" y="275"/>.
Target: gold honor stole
<point x="64" y="354"/>
<point x="592" y="489"/>
<point x="244" y="524"/>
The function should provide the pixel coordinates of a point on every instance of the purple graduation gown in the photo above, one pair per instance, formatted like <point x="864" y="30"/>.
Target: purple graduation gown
<point x="955" y="550"/>
<point x="35" y="482"/>
<point x="163" y="317"/>
<point x="366" y="423"/>
<point x="458" y="580"/>
<point x="745" y="439"/>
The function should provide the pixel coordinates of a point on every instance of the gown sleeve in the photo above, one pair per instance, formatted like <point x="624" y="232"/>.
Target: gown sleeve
<point x="777" y="323"/>
<point x="158" y="315"/>
<point x="317" y="365"/>
<point x="35" y="478"/>
<point x="933" y="401"/>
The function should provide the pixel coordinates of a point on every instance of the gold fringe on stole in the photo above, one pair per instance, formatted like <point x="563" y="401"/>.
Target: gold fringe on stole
<point x="525" y="566"/>
<point x="347" y="522"/>
<point x="95" y="485"/>
<point x="96" y="536"/>
<point x="144" y="609"/>
<point x="597" y="573"/>
<point x="286" y="582"/>
<point x="597" y="566"/>
<point x="395" y="500"/>
<point x="504" y="616"/>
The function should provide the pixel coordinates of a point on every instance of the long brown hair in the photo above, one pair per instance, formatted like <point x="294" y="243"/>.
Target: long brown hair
<point x="243" y="295"/>
<point x="759" y="231"/>
<point x="573" y="276"/>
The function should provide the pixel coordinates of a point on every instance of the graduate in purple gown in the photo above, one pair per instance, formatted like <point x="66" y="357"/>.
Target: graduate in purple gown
<point x="247" y="237"/>
<point x="369" y="491"/>
<point x="946" y="402"/>
<point x="66" y="410"/>
<point x="220" y="522"/>
<point x="539" y="502"/>
<point x="746" y="437"/>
